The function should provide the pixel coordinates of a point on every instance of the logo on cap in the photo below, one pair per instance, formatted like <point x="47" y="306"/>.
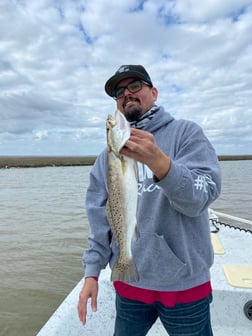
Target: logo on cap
<point x="123" y="68"/>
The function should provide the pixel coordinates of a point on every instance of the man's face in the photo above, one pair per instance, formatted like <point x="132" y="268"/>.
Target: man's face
<point x="134" y="105"/>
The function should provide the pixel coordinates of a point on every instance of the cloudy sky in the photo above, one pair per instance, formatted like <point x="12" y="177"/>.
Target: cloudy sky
<point x="55" y="56"/>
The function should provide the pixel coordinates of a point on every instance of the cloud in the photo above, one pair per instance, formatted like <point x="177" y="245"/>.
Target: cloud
<point x="40" y="135"/>
<point x="55" y="57"/>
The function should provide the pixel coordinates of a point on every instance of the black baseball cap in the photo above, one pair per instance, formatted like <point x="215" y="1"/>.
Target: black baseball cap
<point x="126" y="71"/>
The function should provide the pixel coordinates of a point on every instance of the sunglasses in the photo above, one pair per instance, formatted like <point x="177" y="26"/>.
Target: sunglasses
<point x="133" y="87"/>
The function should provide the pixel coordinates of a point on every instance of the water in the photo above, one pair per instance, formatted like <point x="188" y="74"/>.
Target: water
<point x="42" y="237"/>
<point x="236" y="195"/>
<point x="43" y="233"/>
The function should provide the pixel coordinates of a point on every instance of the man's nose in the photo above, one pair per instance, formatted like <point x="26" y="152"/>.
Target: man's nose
<point x="126" y="91"/>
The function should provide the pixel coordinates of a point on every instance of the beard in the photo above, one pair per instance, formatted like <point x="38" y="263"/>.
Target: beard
<point x="133" y="112"/>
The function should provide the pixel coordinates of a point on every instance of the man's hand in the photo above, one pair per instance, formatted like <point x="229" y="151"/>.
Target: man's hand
<point x="142" y="147"/>
<point x="89" y="290"/>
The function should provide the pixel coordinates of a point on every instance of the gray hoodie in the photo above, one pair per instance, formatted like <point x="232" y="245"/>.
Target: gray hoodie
<point x="172" y="250"/>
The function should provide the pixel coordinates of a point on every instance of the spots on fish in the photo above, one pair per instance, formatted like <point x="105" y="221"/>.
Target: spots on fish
<point x="122" y="198"/>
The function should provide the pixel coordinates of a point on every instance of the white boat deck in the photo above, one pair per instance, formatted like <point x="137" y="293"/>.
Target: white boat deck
<point x="228" y="318"/>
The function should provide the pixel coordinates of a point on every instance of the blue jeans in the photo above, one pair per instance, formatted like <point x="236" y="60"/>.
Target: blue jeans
<point x="188" y="319"/>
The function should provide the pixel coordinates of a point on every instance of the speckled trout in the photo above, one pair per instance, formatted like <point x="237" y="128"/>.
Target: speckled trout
<point x="122" y="196"/>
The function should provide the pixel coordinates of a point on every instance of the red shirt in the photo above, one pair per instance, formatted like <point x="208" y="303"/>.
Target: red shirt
<point x="168" y="299"/>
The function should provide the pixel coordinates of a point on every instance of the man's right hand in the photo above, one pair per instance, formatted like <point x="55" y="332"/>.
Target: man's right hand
<point x="89" y="290"/>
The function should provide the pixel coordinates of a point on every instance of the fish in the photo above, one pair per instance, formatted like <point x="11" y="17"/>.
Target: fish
<point x="121" y="207"/>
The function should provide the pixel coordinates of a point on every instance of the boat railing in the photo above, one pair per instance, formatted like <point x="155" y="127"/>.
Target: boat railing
<point x="217" y="218"/>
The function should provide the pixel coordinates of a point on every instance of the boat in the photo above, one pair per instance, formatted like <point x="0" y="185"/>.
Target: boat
<point x="231" y="309"/>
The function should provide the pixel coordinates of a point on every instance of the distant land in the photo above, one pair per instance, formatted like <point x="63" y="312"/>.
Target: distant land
<point x="45" y="161"/>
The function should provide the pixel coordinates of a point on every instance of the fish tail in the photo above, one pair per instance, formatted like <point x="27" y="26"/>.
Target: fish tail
<point x="125" y="271"/>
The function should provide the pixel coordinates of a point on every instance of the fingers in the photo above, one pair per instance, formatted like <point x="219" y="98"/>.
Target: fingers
<point x="94" y="303"/>
<point x="141" y="146"/>
<point x="82" y="309"/>
<point x="140" y="135"/>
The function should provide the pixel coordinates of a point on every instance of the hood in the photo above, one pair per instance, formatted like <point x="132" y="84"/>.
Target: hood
<point x="160" y="118"/>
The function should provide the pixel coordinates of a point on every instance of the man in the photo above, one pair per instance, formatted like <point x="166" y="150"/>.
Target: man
<point x="179" y="177"/>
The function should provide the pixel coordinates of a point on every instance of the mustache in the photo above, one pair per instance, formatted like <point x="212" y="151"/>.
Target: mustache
<point x="128" y="99"/>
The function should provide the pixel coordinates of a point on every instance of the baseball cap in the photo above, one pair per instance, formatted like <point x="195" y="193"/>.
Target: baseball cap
<point x="126" y="71"/>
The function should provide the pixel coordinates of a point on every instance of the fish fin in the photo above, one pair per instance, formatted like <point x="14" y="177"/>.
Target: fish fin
<point x="136" y="170"/>
<point x="126" y="272"/>
<point x="124" y="127"/>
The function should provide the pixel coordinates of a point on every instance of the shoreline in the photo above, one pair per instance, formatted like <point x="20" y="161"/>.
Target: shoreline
<point x="54" y="161"/>
<point x="45" y="161"/>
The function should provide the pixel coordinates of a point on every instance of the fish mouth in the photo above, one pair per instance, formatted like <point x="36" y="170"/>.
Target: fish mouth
<point x="129" y="99"/>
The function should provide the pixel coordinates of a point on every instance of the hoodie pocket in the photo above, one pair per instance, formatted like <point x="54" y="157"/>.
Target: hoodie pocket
<point x="155" y="261"/>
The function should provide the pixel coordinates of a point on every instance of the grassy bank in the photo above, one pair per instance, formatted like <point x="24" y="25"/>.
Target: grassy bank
<point x="44" y="161"/>
<point x="234" y="157"/>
